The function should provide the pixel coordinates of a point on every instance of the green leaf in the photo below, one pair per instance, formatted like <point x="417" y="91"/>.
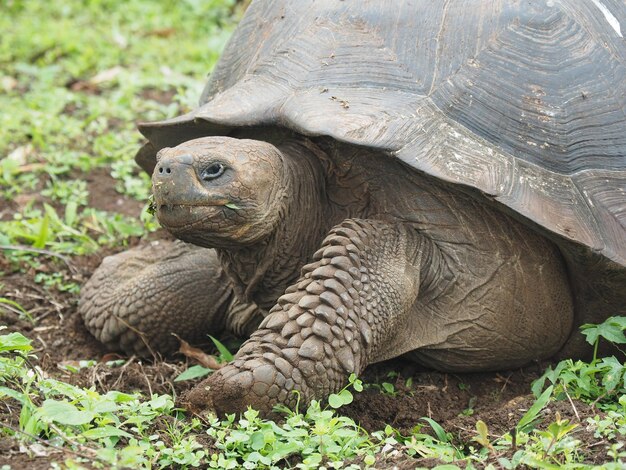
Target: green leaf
<point x="559" y="429"/>
<point x="15" y="342"/>
<point x="552" y="375"/>
<point x="151" y="205"/>
<point x="42" y="235"/>
<point x="239" y="436"/>
<point x="19" y="396"/>
<point x="193" y="373"/>
<point x="120" y="397"/>
<point x="70" y="213"/>
<point x="105" y="431"/>
<point x="14" y="304"/>
<point x="357" y="384"/>
<point x="30" y="422"/>
<point x="537" y="385"/>
<point x="58" y="387"/>
<point x="102" y="405"/>
<point x="64" y="413"/>
<point x="613" y="373"/>
<point x="335" y="400"/>
<point x="527" y="421"/>
<point x="232" y="205"/>
<point x="223" y="350"/>
<point x="257" y="440"/>
<point x="483" y="434"/>
<point x="611" y="329"/>
<point x="439" y="431"/>
<point x="346" y="397"/>
<point x="160" y="402"/>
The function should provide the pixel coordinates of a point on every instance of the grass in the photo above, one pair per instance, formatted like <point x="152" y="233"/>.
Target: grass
<point x="74" y="78"/>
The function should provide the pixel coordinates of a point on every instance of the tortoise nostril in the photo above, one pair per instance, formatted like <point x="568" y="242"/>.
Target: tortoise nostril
<point x="161" y="170"/>
<point x="168" y="170"/>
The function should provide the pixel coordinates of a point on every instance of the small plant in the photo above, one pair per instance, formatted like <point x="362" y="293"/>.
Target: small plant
<point x="469" y="411"/>
<point x="599" y="381"/>
<point x="113" y="429"/>
<point x="15" y="307"/>
<point x="14" y="348"/>
<point x="71" y="233"/>
<point x="57" y="281"/>
<point x="130" y="180"/>
<point x="388" y="389"/>
<point x="344" y="396"/>
<point x="555" y="433"/>
<point x="612" y="330"/>
<point x="317" y="436"/>
<point x="197" y="371"/>
<point x="65" y="191"/>
<point x="482" y="436"/>
<point x="530" y="418"/>
<point x="440" y="446"/>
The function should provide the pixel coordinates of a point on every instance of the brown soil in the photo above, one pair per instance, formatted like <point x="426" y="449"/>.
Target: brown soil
<point x="102" y="194"/>
<point x="455" y="401"/>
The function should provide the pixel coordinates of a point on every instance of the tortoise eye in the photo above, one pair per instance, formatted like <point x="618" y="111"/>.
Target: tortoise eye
<point x="214" y="170"/>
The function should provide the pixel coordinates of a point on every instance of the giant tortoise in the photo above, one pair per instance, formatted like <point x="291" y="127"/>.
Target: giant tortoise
<point x="368" y="179"/>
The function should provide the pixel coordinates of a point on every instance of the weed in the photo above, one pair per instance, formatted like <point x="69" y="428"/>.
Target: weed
<point x="318" y="435"/>
<point x="58" y="281"/>
<point x="552" y="438"/>
<point x="75" y="78"/>
<point x="130" y="180"/>
<point x="530" y="418"/>
<point x="388" y="389"/>
<point x="66" y="191"/>
<point x="15" y="307"/>
<point x="197" y="371"/>
<point x="599" y="381"/>
<point x="469" y="411"/>
<point x="424" y="445"/>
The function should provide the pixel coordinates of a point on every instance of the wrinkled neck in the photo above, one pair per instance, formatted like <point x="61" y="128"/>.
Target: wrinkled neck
<point x="261" y="272"/>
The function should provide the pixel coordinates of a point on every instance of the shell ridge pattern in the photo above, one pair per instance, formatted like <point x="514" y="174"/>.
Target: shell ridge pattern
<point x="524" y="101"/>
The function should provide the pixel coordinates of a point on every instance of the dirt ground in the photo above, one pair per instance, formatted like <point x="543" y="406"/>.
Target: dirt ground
<point x="455" y="401"/>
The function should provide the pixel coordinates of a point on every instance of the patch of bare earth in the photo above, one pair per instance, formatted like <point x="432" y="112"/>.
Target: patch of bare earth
<point x="102" y="194"/>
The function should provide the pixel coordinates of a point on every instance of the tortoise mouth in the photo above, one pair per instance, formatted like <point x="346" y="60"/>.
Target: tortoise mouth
<point x="187" y="216"/>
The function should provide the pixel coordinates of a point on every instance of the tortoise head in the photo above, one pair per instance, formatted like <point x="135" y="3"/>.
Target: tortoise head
<point x="218" y="191"/>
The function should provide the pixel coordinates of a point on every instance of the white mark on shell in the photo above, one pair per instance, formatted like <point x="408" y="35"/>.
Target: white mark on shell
<point x="610" y="18"/>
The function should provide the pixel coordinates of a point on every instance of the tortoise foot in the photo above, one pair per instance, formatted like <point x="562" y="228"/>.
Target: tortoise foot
<point x="236" y="387"/>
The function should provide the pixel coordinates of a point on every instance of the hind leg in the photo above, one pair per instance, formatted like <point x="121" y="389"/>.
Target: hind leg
<point x="137" y="300"/>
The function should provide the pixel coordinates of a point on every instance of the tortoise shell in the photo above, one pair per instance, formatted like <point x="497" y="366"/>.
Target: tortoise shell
<point x="524" y="101"/>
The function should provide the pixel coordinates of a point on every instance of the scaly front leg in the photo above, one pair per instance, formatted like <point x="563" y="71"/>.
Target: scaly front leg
<point x="331" y="323"/>
<point x="138" y="298"/>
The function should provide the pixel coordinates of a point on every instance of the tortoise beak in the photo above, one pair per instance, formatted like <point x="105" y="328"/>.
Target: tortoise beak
<point x="181" y="200"/>
<point x="174" y="182"/>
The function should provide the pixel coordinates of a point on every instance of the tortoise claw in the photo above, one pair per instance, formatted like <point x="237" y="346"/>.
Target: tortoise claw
<point x="230" y="390"/>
